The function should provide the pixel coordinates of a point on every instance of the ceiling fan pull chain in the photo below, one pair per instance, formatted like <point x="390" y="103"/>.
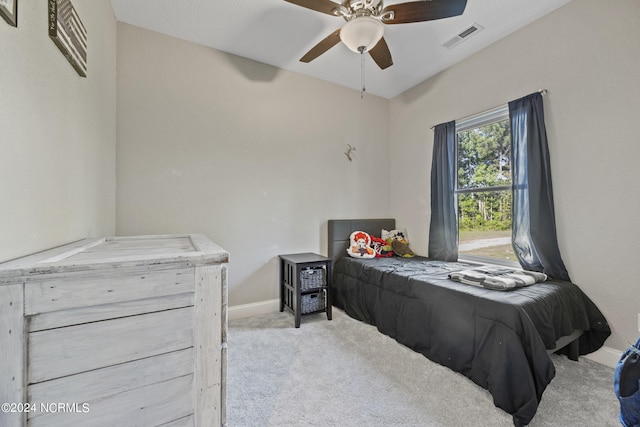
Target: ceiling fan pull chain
<point x="361" y="49"/>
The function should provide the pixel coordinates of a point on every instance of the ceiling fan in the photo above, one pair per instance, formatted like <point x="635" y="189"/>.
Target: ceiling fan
<point x="364" y="29"/>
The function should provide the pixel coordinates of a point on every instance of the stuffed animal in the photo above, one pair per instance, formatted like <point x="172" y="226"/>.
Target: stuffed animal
<point x="399" y="241"/>
<point x="360" y="245"/>
<point x="401" y="248"/>
<point x="382" y="248"/>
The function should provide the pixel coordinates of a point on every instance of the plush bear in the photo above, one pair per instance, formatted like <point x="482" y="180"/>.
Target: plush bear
<point x="399" y="241"/>
<point x="360" y="245"/>
<point x="401" y="248"/>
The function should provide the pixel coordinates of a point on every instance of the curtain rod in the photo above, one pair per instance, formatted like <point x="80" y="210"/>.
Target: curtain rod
<point x="543" y="92"/>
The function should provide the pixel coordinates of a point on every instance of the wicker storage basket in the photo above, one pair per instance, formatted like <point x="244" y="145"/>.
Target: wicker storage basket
<point x="311" y="278"/>
<point x="312" y="302"/>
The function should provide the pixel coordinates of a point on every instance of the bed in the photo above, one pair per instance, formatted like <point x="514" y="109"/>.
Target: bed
<point x="500" y="340"/>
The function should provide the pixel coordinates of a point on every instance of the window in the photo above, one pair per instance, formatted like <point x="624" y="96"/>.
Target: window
<point x="483" y="187"/>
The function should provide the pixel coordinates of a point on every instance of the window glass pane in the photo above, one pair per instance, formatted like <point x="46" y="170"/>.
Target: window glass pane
<point x="484" y="156"/>
<point x="484" y="222"/>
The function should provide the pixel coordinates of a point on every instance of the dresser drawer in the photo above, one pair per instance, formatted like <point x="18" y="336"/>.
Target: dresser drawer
<point x="68" y="291"/>
<point x="66" y="351"/>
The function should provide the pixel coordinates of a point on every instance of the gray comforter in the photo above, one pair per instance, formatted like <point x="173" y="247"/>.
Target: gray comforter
<point x="497" y="339"/>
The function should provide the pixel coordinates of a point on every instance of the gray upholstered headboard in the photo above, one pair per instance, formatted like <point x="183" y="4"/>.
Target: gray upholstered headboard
<point x="341" y="229"/>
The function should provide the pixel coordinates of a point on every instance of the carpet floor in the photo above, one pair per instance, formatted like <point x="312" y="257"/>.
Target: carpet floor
<point x="345" y="373"/>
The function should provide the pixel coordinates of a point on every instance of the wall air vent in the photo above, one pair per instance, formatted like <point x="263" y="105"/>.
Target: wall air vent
<point x="463" y="35"/>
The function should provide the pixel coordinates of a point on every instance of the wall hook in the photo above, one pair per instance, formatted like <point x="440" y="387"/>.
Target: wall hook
<point x="348" y="152"/>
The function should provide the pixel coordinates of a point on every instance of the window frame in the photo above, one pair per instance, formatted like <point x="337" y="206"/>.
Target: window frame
<point x="471" y="122"/>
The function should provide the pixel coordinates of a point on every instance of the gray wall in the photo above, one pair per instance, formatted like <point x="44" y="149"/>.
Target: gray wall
<point x="57" y="132"/>
<point x="250" y="155"/>
<point x="587" y="54"/>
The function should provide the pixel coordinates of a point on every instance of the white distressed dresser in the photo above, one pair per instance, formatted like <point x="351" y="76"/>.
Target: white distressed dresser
<point x="123" y="331"/>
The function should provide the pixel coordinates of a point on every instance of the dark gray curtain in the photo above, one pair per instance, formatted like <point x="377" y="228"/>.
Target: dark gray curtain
<point x="534" y="227"/>
<point x="443" y="230"/>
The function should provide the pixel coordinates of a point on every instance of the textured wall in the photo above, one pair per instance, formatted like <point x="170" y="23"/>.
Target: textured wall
<point x="248" y="154"/>
<point x="57" y="132"/>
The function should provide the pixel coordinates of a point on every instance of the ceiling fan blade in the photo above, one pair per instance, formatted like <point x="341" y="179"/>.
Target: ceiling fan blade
<point x="327" y="43"/>
<point x="424" y="10"/>
<point x="381" y="55"/>
<point x="324" y="6"/>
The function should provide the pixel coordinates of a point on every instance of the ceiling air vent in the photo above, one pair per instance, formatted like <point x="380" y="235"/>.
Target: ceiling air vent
<point x="463" y="35"/>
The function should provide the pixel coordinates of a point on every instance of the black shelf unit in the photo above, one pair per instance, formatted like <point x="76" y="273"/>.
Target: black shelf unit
<point x="305" y="284"/>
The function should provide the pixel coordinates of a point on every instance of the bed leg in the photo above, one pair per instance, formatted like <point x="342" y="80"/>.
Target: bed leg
<point x="573" y="348"/>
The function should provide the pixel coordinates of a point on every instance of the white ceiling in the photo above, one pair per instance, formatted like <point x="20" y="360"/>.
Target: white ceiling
<point x="279" y="33"/>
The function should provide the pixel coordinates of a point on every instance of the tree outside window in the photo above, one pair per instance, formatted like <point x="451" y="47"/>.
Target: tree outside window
<point x="483" y="189"/>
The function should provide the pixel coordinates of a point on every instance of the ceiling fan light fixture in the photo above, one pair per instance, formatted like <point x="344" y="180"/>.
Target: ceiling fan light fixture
<point x="362" y="32"/>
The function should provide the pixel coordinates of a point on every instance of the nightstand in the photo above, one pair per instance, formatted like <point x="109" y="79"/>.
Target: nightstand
<point x="305" y="284"/>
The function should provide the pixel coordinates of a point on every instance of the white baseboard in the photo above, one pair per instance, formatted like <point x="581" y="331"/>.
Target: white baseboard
<point x="254" y="309"/>
<point x="605" y="355"/>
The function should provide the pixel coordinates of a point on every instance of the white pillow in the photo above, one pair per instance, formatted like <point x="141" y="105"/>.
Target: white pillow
<point x="397" y="234"/>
